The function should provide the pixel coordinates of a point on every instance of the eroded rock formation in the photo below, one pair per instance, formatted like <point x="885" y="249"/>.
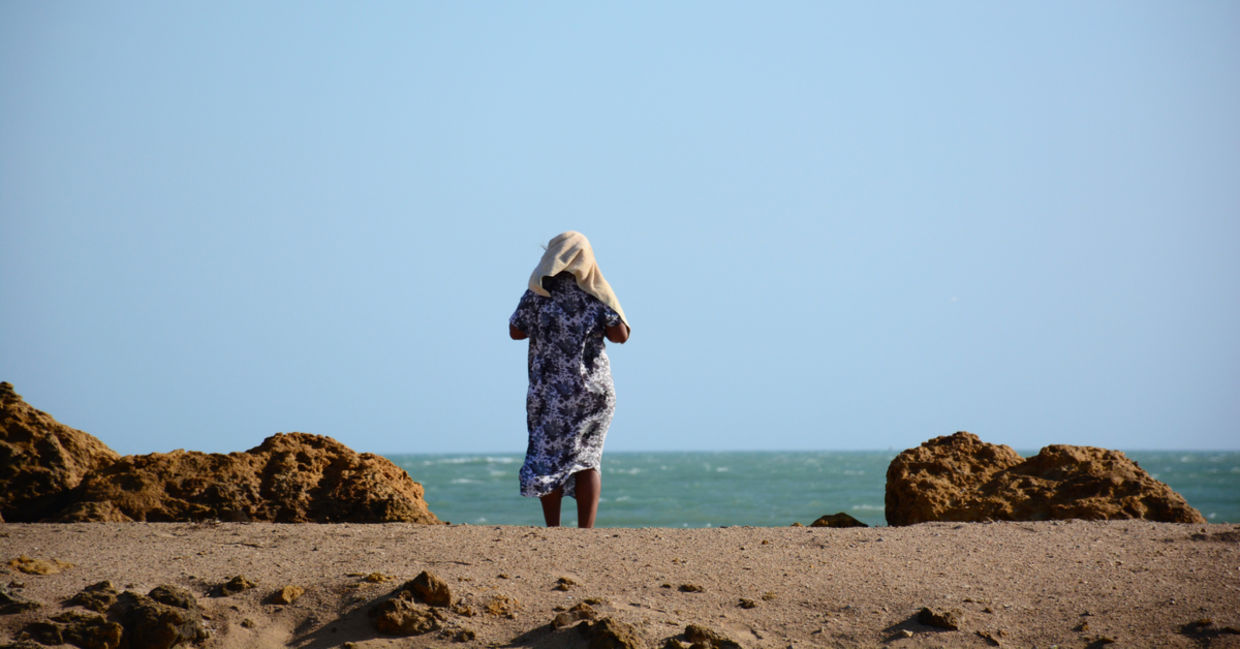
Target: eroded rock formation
<point x="961" y="478"/>
<point x="50" y="472"/>
<point x="289" y="478"/>
<point x="41" y="459"/>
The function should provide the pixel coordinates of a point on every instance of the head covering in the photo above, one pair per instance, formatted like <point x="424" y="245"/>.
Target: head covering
<point x="570" y="251"/>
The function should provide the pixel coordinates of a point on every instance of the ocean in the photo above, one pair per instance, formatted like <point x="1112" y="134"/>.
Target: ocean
<point x="756" y="488"/>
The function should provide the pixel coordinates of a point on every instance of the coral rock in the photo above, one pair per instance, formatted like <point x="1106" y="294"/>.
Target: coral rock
<point x="961" y="478"/>
<point x="289" y="478"/>
<point x="41" y="460"/>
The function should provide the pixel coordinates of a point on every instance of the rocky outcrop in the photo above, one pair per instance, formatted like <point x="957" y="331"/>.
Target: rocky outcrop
<point x="50" y="472"/>
<point x="961" y="478"/>
<point x="840" y="519"/>
<point x="289" y="478"/>
<point x="41" y="459"/>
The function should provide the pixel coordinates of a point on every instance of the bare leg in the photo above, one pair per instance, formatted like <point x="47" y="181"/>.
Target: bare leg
<point x="551" y="507"/>
<point x="589" y="483"/>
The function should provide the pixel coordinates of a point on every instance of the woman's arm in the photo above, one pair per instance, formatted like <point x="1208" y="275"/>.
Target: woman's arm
<point x="517" y="334"/>
<point x="618" y="333"/>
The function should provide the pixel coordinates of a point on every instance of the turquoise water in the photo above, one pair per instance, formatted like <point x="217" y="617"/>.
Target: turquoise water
<point x="764" y="488"/>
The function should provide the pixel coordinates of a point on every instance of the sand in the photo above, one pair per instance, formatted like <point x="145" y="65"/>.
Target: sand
<point x="1066" y="584"/>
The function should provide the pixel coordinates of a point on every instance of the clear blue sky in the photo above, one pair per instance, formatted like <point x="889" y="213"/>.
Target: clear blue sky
<point x="832" y="225"/>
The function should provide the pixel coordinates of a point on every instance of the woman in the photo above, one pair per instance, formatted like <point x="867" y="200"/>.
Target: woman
<point x="567" y="311"/>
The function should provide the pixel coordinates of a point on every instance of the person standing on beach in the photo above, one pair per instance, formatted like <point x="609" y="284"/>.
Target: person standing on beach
<point x="566" y="313"/>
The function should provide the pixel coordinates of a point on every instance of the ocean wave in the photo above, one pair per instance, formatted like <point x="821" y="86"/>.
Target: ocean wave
<point x="470" y="459"/>
<point x="868" y="508"/>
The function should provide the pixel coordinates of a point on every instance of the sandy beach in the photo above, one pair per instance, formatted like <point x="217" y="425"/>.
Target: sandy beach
<point x="1065" y="584"/>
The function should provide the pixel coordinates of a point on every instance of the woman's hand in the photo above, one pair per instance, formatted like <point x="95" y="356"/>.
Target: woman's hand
<point x="517" y="334"/>
<point x="618" y="333"/>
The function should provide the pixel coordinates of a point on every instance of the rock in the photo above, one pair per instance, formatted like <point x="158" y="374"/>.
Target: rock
<point x="150" y="624"/>
<point x="400" y="616"/>
<point x="287" y="595"/>
<point x="175" y="596"/>
<point x="577" y="613"/>
<point x="233" y="586"/>
<point x="961" y="478"/>
<point x="837" y="520"/>
<point x="691" y="588"/>
<point x="11" y="603"/>
<point x="41" y="460"/>
<point x="32" y="566"/>
<point x="747" y="603"/>
<point x="502" y="606"/>
<point x="44" y="632"/>
<point x="90" y="631"/>
<point x="289" y="478"/>
<point x="92" y="512"/>
<point x="96" y="597"/>
<point x="941" y="619"/>
<point x="700" y="636"/>
<point x="926" y="483"/>
<point x="608" y="633"/>
<point x="428" y="588"/>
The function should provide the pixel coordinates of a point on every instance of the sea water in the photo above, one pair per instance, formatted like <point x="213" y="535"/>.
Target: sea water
<point x="762" y="488"/>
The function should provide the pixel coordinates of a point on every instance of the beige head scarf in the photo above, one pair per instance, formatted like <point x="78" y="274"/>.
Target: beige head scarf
<point x="570" y="251"/>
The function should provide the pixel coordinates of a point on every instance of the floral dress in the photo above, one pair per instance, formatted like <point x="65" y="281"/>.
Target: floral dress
<point x="571" y="398"/>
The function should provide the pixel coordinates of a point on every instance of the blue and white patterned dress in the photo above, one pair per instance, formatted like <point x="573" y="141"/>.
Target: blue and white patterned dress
<point x="571" y="398"/>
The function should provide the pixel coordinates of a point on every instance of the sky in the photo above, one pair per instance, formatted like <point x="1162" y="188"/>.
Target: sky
<point x="831" y="225"/>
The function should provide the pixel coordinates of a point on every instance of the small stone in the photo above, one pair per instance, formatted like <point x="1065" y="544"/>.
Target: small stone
<point x="838" y="520"/>
<point x="906" y="633"/>
<point x="247" y="623"/>
<point x="702" y="636"/>
<point x="564" y="583"/>
<point x="691" y="588"/>
<point x="608" y="633"/>
<point x="377" y="577"/>
<point x="581" y="611"/>
<point x="502" y="605"/>
<point x="287" y="595"/>
<point x="768" y="596"/>
<point x="426" y="587"/>
<point x="941" y="619"/>
<point x="747" y="603"/>
<point x="401" y="617"/>
<point x="233" y="586"/>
